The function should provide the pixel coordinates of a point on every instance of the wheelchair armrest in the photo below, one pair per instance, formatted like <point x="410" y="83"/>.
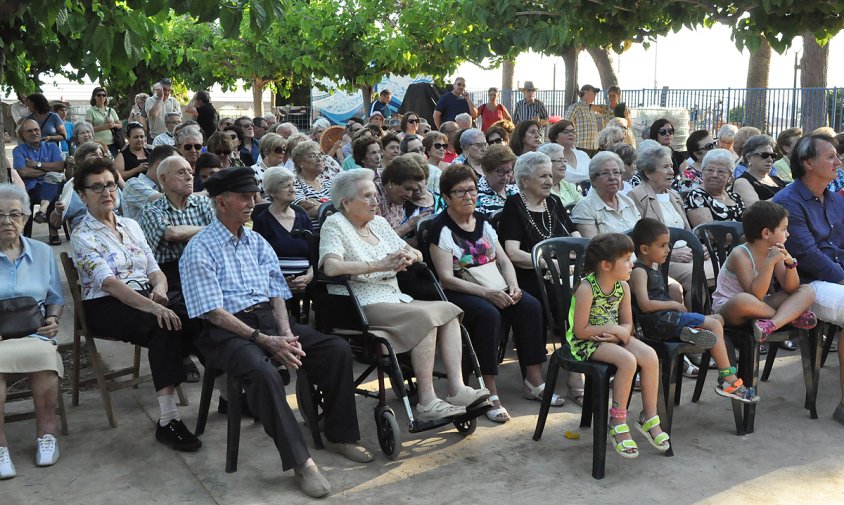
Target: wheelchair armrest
<point x="340" y="280"/>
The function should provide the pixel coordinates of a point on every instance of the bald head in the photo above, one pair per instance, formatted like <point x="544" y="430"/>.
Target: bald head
<point x="176" y="177"/>
<point x="29" y="132"/>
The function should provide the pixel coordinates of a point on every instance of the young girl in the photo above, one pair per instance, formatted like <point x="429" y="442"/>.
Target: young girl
<point x="662" y="317"/>
<point x="600" y="328"/>
<point x="745" y="282"/>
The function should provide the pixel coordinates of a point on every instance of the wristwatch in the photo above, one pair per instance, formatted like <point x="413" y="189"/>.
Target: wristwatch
<point x="254" y="335"/>
<point x="38" y="165"/>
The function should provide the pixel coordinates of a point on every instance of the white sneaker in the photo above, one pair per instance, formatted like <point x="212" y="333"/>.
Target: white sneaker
<point x="7" y="468"/>
<point x="47" y="451"/>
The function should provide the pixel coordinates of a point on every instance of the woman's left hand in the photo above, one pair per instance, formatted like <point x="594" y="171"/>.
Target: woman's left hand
<point x="515" y="293"/>
<point x="51" y="329"/>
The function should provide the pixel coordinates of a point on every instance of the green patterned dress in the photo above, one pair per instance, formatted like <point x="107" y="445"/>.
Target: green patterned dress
<point x="605" y="308"/>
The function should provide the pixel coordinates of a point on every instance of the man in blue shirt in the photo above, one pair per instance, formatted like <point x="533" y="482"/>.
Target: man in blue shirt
<point x="816" y="230"/>
<point x="453" y="103"/>
<point x="231" y="279"/>
<point x="34" y="160"/>
<point x="382" y="105"/>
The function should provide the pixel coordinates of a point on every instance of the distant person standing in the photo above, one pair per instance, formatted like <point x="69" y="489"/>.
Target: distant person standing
<point x="158" y="105"/>
<point x="203" y="112"/>
<point x="455" y="102"/>
<point x="382" y="104"/>
<point x="492" y="111"/>
<point x="585" y="120"/>
<point x="529" y="107"/>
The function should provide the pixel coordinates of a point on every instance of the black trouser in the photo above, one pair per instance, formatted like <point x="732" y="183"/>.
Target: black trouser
<point x="109" y="317"/>
<point x="328" y="363"/>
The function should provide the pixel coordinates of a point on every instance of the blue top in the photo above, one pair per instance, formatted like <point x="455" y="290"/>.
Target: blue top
<point x="813" y="241"/>
<point x="293" y="253"/>
<point x="450" y="105"/>
<point x="218" y="270"/>
<point x="68" y="128"/>
<point x="34" y="273"/>
<point x="50" y="126"/>
<point x="383" y="108"/>
<point x="45" y="153"/>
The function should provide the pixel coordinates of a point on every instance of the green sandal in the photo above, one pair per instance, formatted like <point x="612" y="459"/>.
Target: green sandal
<point x="660" y="442"/>
<point x="620" y="429"/>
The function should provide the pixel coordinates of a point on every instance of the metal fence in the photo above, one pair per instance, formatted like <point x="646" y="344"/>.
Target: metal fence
<point x="769" y="109"/>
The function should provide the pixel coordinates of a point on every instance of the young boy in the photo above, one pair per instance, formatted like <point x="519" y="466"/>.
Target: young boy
<point x="663" y="318"/>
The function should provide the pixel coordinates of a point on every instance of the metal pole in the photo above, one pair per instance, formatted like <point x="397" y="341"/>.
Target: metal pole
<point x="554" y="78"/>
<point x="794" y="90"/>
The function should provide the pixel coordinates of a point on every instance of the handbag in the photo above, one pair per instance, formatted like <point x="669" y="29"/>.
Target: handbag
<point x="119" y="137"/>
<point x="19" y="317"/>
<point x="487" y="275"/>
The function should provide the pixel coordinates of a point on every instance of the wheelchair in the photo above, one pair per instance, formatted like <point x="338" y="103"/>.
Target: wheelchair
<point x="343" y="315"/>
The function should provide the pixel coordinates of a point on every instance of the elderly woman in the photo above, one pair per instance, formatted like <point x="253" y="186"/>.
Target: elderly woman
<point x="356" y="241"/>
<point x="662" y="131"/>
<point x="604" y="209"/>
<point x="103" y="118"/>
<point x="741" y="136"/>
<point x="188" y="140"/>
<point x="124" y="293"/>
<point x="564" y="132"/>
<point x="757" y="183"/>
<point x="138" y="114"/>
<point x="69" y="206"/>
<point x="273" y="154"/>
<point x="222" y="145"/>
<point x="610" y="135"/>
<point x="627" y="153"/>
<point x="313" y="187"/>
<point x="462" y="239"/>
<point x="132" y="159"/>
<point x="402" y="177"/>
<point x="393" y="146"/>
<point x="276" y="224"/>
<point x="786" y="141"/>
<point x="497" y="135"/>
<point x="726" y="137"/>
<point x="473" y="143"/>
<point x="52" y="126"/>
<point x="240" y="153"/>
<point x="29" y="270"/>
<point x="712" y="201"/>
<point x="527" y="137"/>
<point x="561" y="188"/>
<point x="698" y="143"/>
<point x="496" y="185"/>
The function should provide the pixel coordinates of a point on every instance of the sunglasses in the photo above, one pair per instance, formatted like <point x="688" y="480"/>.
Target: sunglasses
<point x="437" y="145"/>
<point x="414" y="121"/>
<point x="100" y="95"/>
<point x="495" y="141"/>
<point x="192" y="147"/>
<point x="764" y="156"/>
<point x="222" y="153"/>
<point x="280" y="150"/>
<point x="666" y="131"/>
<point x="708" y="147"/>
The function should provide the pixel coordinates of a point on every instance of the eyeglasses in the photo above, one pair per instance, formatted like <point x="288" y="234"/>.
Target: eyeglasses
<point x="719" y="173"/>
<point x="499" y="140"/>
<point x="192" y="147"/>
<point x="764" y="156"/>
<point x="613" y="174"/>
<point x="437" y="145"/>
<point x="503" y="173"/>
<point x="461" y="193"/>
<point x="14" y="216"/>
<point x="414" y="121"/>
<point x="280" y="150"/>
<point x="666" y="131"/>
<point x="223" y="153"/>
<point x="100" y="188"/>
<point x="569" y="131"/>
<point x="100" y="95"/>
<point x="708" y="147"/>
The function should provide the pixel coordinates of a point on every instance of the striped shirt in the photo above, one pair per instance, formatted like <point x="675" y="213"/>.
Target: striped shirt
<point x="586" y="123"/>
<point x="160" y="215"/>
<point x="220" y="270"/>
<point x="524" y="111"/>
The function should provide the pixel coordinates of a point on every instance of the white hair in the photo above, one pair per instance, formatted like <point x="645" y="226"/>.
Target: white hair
<point x="609" y="136"/>
<point x="717" y="156"/>
<point x="9" y="191"/>
<point x="727" y="131"/>
<point x="470" y="136"/>
<point x="648" y="155"/>
<point x="463" y="118"/>
<point x="170" y="164"/>
<point x="526" y="164"/>
<point x="596" y="164"/>
<point x="275" y="177"/>
<point x="550" y="149"/>
<point x="345" y="185"/>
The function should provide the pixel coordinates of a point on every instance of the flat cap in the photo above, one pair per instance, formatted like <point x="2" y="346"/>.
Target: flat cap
<point x="236" y="180"/>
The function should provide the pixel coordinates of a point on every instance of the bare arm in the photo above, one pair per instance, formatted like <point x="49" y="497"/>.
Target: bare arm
<point x="518" y="257"/>
<point x="181" y="233"/>
<point x="639" y="288"/>
<point x="438" y="119"/>
<point x="740" y="264"/>
<point x="473" y="111"/>
<point x="699" y="216"/>
<point x="191" y="108"/>
<point x="588" y="230"/>
<point x="746" y="192"/>
<point x="155" y="110"/>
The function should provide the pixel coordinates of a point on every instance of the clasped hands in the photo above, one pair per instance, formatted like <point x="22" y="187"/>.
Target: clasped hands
<point x="285" y="348"/>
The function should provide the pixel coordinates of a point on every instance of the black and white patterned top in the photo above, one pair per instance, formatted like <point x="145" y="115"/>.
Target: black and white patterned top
<point x="698" y="198"/>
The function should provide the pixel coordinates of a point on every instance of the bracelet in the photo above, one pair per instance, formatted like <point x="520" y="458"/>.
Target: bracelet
<point x="792" y="265"/>
<point x="51" y="315"/>
<point x="253" y="337"/>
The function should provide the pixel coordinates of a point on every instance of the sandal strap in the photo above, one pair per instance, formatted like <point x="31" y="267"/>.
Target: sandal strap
<point x="627" y="443"/>
<point x="651" y="423"/>
<point x="617" y="413"/>
<point x="619" y="429"/>
<point x="735" y="386"/>
<point x="726" y="372"/>
<point x="661" y="438"/>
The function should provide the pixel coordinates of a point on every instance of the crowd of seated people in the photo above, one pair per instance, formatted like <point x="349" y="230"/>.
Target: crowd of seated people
<point x="201" y="212"/>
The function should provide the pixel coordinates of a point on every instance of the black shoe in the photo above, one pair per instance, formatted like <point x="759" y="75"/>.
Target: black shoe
<point x="223" y="407"/>
<point x="177" y="436"/>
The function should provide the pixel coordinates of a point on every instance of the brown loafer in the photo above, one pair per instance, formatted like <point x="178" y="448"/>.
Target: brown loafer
<point x="312" y="482"/>
<point x="350" y="450"/>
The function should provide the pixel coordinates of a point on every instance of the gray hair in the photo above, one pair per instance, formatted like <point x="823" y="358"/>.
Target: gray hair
<point x="9" y="191"/>
<point x="81" y="126"/>
<point x="755" y="142"/>
<point x="609" y="136"/>
<point x="85" y="149"/>
<point x="648" y="155"/>
<point x="270" y="116"/>
<point x="550" y="149"/>
<point x="186" y="133"/>
<point x="170" y="164"/>
<point x="345" y="185"/>
<point x="301" y="150"/>
<point x="596" y="164"/>
<point x="290" y="126"/>
<point x="275" y="177"/>
<point x="527" y="163"/>
<point x="462" y="117"/>
<point x="727" y="131"/>
<point x="717" y="156"/>
<point x="173" y="113"/>
<point x="471" y="136"/>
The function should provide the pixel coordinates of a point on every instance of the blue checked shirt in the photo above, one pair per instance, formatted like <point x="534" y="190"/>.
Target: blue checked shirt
<point x="218" y="270"/>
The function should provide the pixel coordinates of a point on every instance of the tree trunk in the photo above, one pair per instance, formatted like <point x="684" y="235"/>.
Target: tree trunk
<point x="758" y="69"/>
<point x="258" y="96"/>
<point x="603" y="60"/>
<point x="813" y="73"/>
<point x="508" y="71"/>
<point x="572" y="89"/>
<point x="366" y="94"/>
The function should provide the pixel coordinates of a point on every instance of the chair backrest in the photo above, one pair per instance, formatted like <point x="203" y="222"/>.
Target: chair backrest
<point x="80" y="325"/>
<point x="699" y="292"/>
<point x="719" y="238"/>
<point x="423" y="239"/>
<point x="558" y="264"/>
<point x="325" y="210"/>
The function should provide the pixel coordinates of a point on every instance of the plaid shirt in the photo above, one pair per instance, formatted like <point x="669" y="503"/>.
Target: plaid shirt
<point x="159" y="215"/>
<point x="585" y="121"/>
<point x="525" y="110"/>
<point x="219" y="270"/>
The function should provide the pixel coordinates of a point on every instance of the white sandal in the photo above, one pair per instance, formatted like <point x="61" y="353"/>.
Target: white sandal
<point x="497" y="415"/>
<point x="536" y="392"/>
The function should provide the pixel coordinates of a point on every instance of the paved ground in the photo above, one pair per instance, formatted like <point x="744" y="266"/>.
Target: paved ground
<point x="789" y="459"/>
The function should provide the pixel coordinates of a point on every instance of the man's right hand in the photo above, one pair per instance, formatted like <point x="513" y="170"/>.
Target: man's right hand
<point x="286" y="349"/>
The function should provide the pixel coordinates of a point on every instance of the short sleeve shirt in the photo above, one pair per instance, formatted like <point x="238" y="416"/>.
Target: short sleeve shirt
<point x="159" y="215"/>
<point x="450" y="105"/>
<point x="592" y="210"/>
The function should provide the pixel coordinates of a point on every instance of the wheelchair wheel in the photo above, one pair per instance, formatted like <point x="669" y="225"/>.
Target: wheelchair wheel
<point x="389" y="436"/>
<point x="466" y="427"/>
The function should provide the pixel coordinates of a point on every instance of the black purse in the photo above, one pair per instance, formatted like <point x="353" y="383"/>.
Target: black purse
<point x="19" y="317"/>
<point x="119" y="137"/>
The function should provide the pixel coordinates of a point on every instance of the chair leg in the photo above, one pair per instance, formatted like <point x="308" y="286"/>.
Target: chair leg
<point x="77" y="352"/>
<point x="769" y="361"/>
<point x="753" y="378"/>
<point x="545" y="406"/>
<point x="235" y="388"/>
<point x="829" y="330"/>
<point x="807" y="355"/>
<point x="670" y="384"/>
<point x="183" y="400"/>
<point x="589" y="383"/>
<point x="97" y="363"/>
<point x="738" y="414"/>
<point x="701" y="375"/>
<point x="205" y="399"/>
<point x="136" y="371"/>
<point x="62" y="412"/>
<point x="599" y="431"/>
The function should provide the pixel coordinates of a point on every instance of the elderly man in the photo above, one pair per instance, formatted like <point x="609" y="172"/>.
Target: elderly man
<point x="453" y="103"/>
<point x="171" y="121"/>
<point x="287" y="129"/>
<point x="529" y="107"/>
<point x="251" y="144"/>
<point x="382" y="105"/>
<point x="449" y="129"/>
<point x="585" y="120"/>
<point x="463" y="120"/>
<point x="145" y="187"/>
<point x="231" y="279"/>
<point x="38" y="163"/>
<point x="271" y="120"/>
<point x="158" y="105"/>
<point x="815" y="221"/>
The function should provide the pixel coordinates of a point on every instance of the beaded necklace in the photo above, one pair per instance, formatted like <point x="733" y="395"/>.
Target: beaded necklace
<point x="545" y="214"/>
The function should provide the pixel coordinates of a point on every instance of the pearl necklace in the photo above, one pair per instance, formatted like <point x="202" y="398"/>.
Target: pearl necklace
<point x="368" y="232"/>
<point x="545" y="214"/>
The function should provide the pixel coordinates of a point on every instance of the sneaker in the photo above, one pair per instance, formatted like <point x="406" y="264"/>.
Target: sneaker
<point x="438" y="409"/>
<point x="698" y="337"/>
<point x="177" y="436"/>
<point x="7" y="468"/>
<point x="46" y="451"/>
<point x="762" y="329"/>
<point x="805" y="321"/>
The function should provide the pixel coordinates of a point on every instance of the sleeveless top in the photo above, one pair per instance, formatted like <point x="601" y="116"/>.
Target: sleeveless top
<point x="604" y="310"/>
<point x="727" y="285"/>
<point x="130" y="160"/>
<point x="763" y="191"/>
